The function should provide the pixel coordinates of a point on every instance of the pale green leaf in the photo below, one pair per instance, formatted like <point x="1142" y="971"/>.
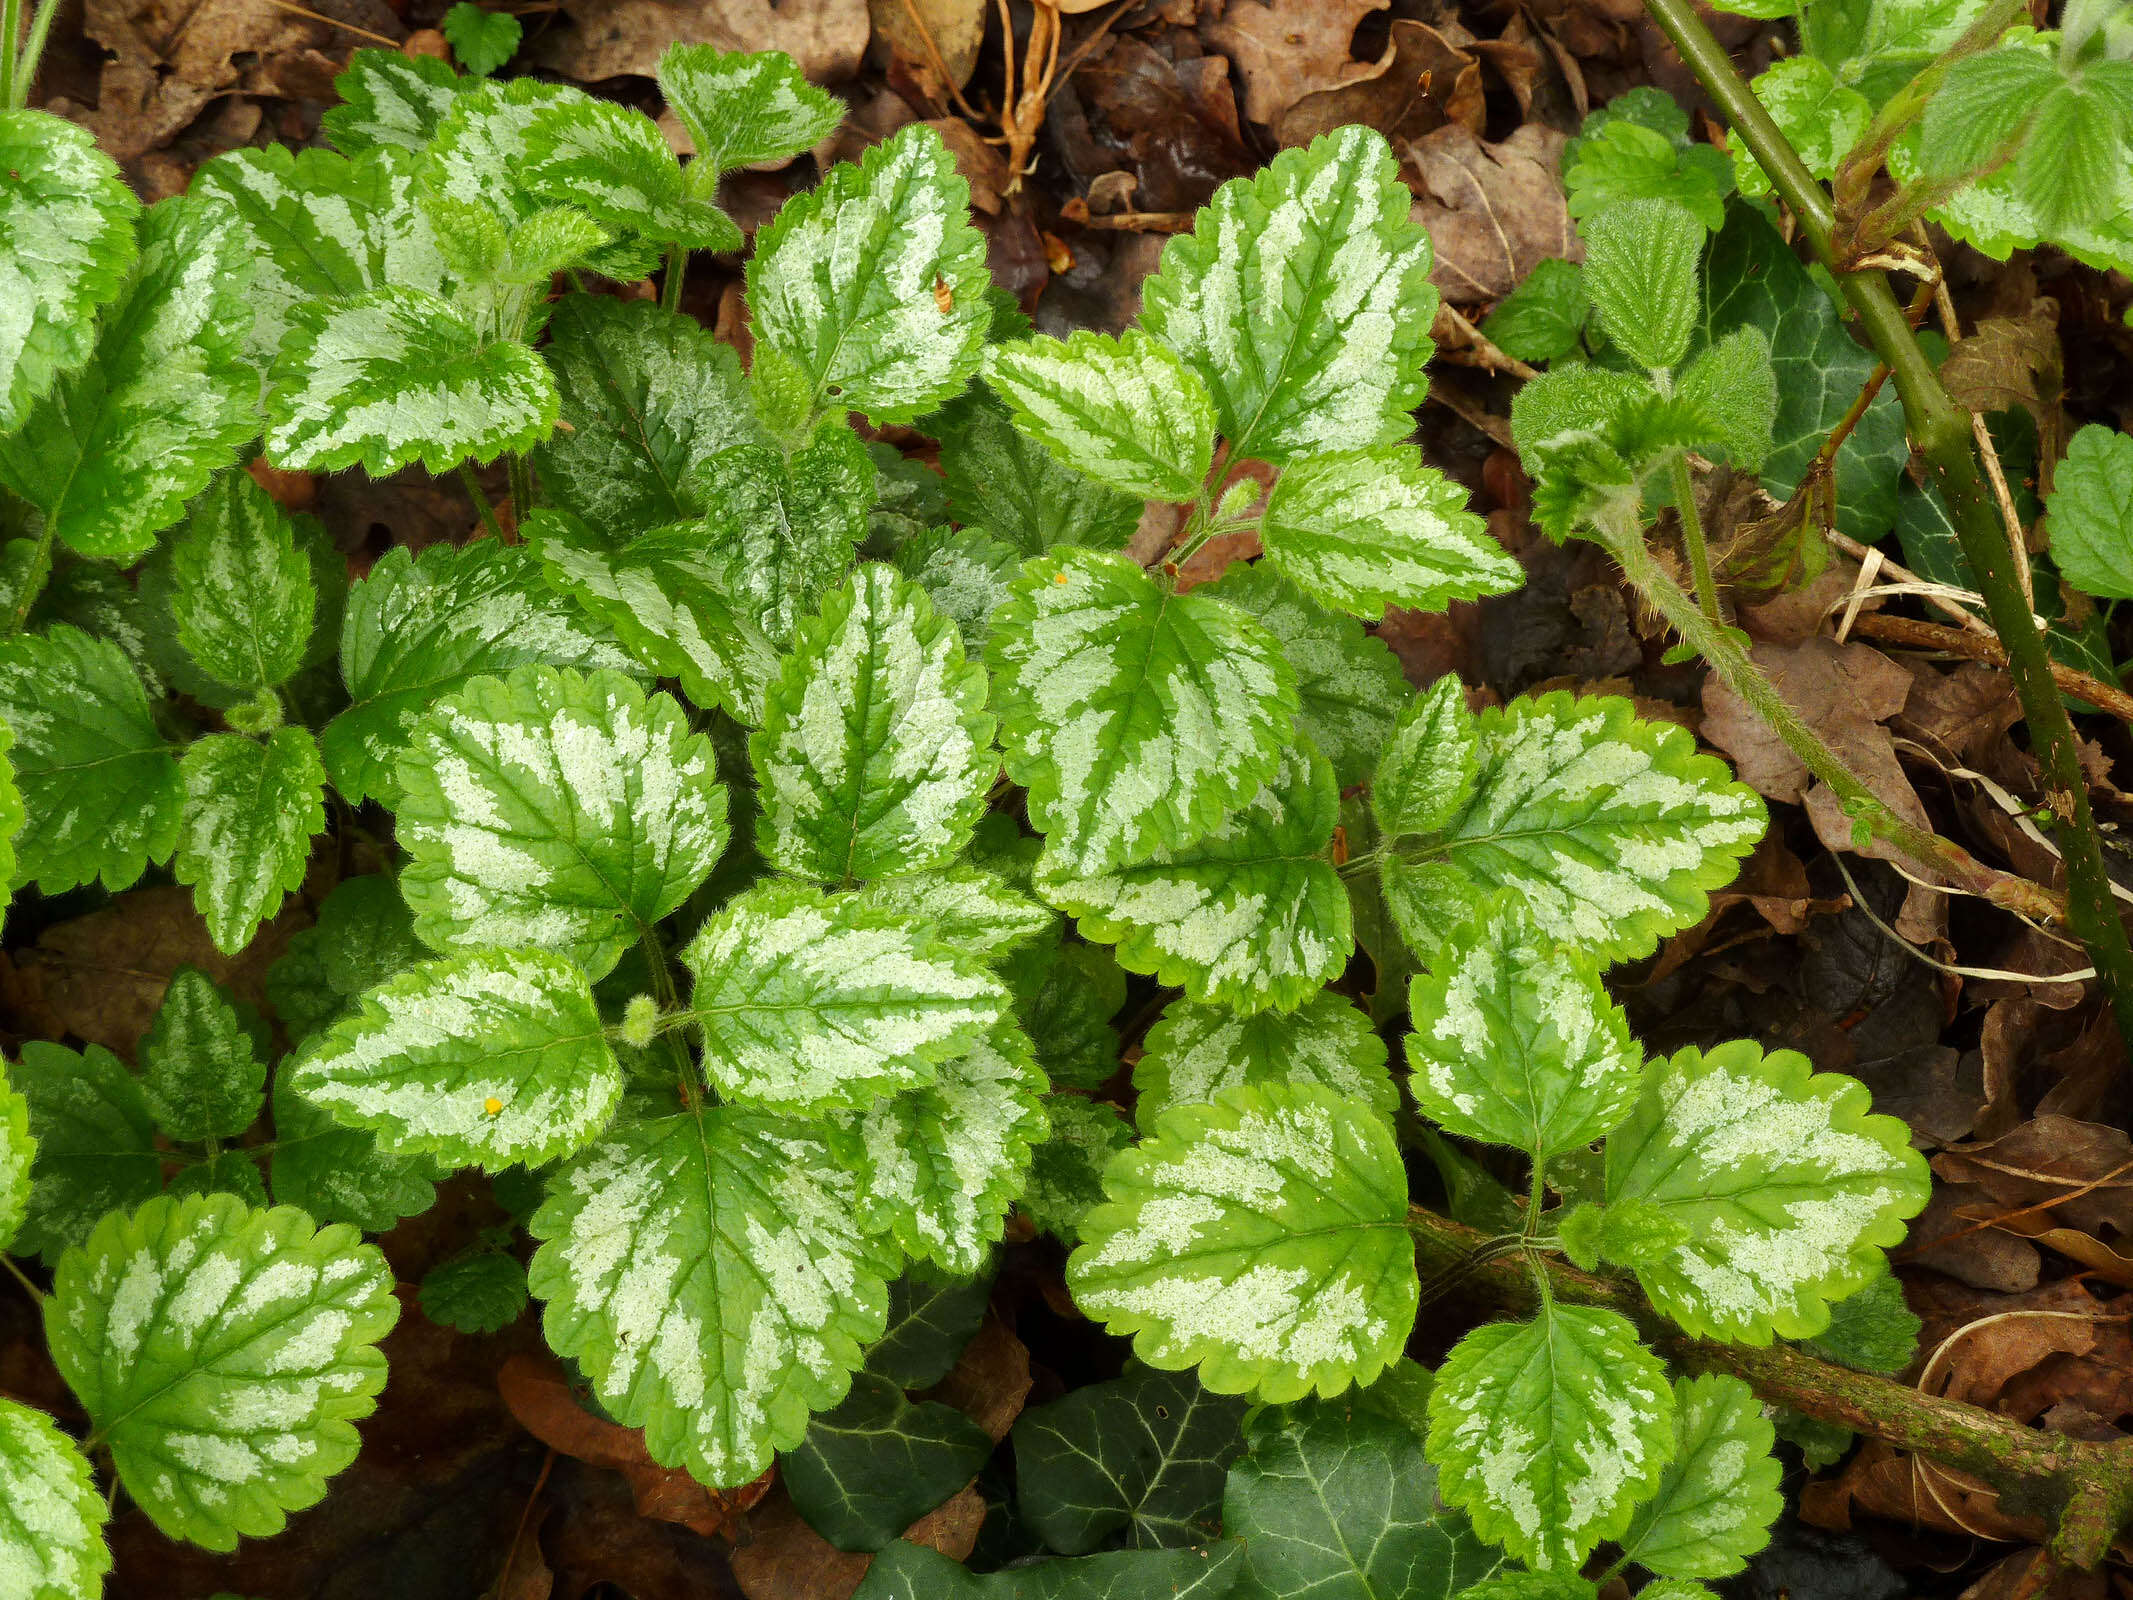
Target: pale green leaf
<point x="96" y="1143"/>
<point x="908" y="1571"/>
<point x="252" y="808"/>
<point x="1002" y="480"/>
<point x="1719" y="1495"/>
<point x="612" y="163"/>
<point x="363" y="935"/>
<point x="18" y="1150"/>
<point x="966" y="573"/>
<point x="200" y="1074"/>
<point x="1874" y="1330"/>
<point x="1066" y="1172"/>
<point x="1544" y="317"/>
<point x="1734" y="385"/>
<point x="242" y="597"/>
<point x="2091" y="513"/>
<point x="224" y="1355"/>
<point x="481" y="40"/>
<point x="1632" y="1233"/>
<point x="1640" y="272"/>
<point x="390" y="98"/>
<point x="1194" y="1052"/>
<point x="1125" y="412"/>
<point x="744" y="108"/>
<point x="1625" y="162"/>
<point x="1426" y="774"/>
<point x="2073" y="162"/>
<point x="487" y="1060"/>
<point x="1262" y="1238"/>
<point x="338" y="1173"/>
<point x="1821" y="117"/>
<point x="477" y="1294"/>
<point x="877" y="1463"/>
<point x="51" y="1512"/>
<point x="972" y="909"/>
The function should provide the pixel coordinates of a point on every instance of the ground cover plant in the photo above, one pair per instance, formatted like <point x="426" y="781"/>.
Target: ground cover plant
<point x="740" y="851"/>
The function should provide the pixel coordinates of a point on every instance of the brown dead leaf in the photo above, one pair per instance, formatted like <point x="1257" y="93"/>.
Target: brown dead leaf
<point x="1286" y="49"/>
<point x="2084" y="1169"/>
<point x="612" y="38"/>
<point x="957" y="28"/>
<point x="785" y="1559"/>
<point x="991" y="1381"/>
<point x="1427" y="82"/>
<point x="1947" y="1240"/>
<point x="596" y="1541"/>
<point x="1919" y="1493"/>
<point x="168" y="59"/>
<point x="2010" y="363"/>
<point x="1492" y="210"/>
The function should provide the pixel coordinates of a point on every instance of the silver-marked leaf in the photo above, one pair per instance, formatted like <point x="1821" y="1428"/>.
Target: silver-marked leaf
<point x="1302" y="299"/>
<point x="707" y="1272"/>
<point x="486" y="1060"/>
<point x="1196" y="1051"/>
<point x="252" y="808"/>
<point x="907" y="1571"/>
<point x="1517" y="1041"/>
<point x="1426" y="773"/>
<point x="938" y="1166"/>
<point x="1003" y="481"/>
<point x="1262" y="1238"/>
<point x="611" y="162"/>
<point x="1136" y="718"/>
<point x="100" y="786"/>
<point x="18" y="1150"/>
<point x="112" y="453"/>
<point x="1066" y="995"/>
<point x="874" y="756"/>
<point x="391" y="98"/>
<point x="1789" y="1187"/>
<point x="394" y="377"/>
<point x="417" y="629"/>
<point x="966" y="573"/>
<point x="338" y="1173"/>
<point x="815" y="1002"/>
<point x="66" y="243"/>
<point x="1365" y="529"/>
<point x="241" y="595"/>
<point x="1066" y="1172"/>
<point x="1250" y="915"/>
<point x="1125" y="412"/>
<point x="1612" y="829"/>
<point x="224" y="1355"/>
<point x="201" y="1075"/>
<point x="51" y="1512"/>
<point x="877" y="1463"/>
<point x="1548" y="1433"/>
<point x="1719" y="1494"/>
<point x="872" y="284"/>
<point x="12" y="816"/>
<point x="969" y="908"/>
<point x="743" y="107"/>
<point x="555" y="810"/>
<point x="96" y="1144"/>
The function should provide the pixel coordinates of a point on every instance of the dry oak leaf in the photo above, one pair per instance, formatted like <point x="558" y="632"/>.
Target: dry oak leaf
<point x="1287" y="49"/>
<point x="1492" y="210"/>
<point x="957" y="28"/>
<point x="616" y="37"/>
<point x="1429" y="82"/>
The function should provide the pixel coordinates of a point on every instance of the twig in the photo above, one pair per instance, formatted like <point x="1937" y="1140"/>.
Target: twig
<point x="1486" y="350"/>
<point x="1931" y="593"/>
<point x="1932" y="636"/>
<point x="336" y="22"/>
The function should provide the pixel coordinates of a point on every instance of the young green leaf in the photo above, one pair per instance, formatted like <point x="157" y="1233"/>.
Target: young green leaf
<point x="1137" y="719"/>
<point x="1002" y="480"/>
<point x="339" y="1174"/>
<point x="1633" y="1233"/>
<point x="66" y="245"/>
<point x="907" y="1571"/>
<point x="252" y="808"/>
<point x="1543" y="318"/>
<point x="486" y="1060"/>
<point x="1719" y="1495"/>
<point x="1548" y="1433"/>
<point x="1624" y="162"/>
<point x="1194" y="1052"/>
<point x="1821" y="116"/>
<point x="612" y="163"/>
<point x="1640" y="270"/>
<point x="1302" y="299"/>
<point x="1262" y="1238"/>
<point x="242" y="598"/>
<point x="1874" y="1330"/>
<point x="708" y="1274"/>
<point x="973" y="909"/>
<point x="479" y="1293"/>
<point x="743" y="109"/>
<point x="1066" y="1172"/>
<point x="200" y="1075"/>
<point x="96" y="1144"/>
<point x="1426" y="774"/>
<point x="224" y="1356"/>
<point x="549" y="809"/>
<point x="1789" y="1187"/>
<point x="389" y="98"/>
<point x="1365" y="529"/>
<point x="2091" y="513"/>
<point x="482" y="40"/>
<point x="1979" y="111"/>
<point x="1125" y="412"/>
<point x="364" y="934"/>
<point x="1734" y="385"/>
<point x="966" y="573"/>
<point x="51" y="1512"/>
<point x="872" y="284"/>
<point x="876" y="1463"/>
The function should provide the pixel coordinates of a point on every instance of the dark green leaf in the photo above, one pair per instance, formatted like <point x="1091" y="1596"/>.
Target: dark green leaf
<point x="877" y="1463"/>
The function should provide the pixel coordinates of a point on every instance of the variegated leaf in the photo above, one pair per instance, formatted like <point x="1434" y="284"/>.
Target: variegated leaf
<point x="742" y="108"/>
<point x="1196" y="1051"/>
<point x="1001" y="480"/>
<point x="391" y="98"/>
<point x="201" y="1075"/>
<point x="51" y="1512"/>
<point x="252" y="809"/>
<point x="241" y="592"/>
<point x="96" y="1144"/>
<point x="1125" y="412"/>
<point x="967" y="574"/>
<point x="971" y="909"/>
<point x="18" y="1149"/>
<point x="612" y="163"/>
<point x="1066" y="1172"/>
<point x="1426" y="772"/>
<point x="1720" y="1495"/>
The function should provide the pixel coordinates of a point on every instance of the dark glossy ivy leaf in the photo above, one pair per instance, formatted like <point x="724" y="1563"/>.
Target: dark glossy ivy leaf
<point x="877" y="1463"/>
<point x="930" y="1320"/>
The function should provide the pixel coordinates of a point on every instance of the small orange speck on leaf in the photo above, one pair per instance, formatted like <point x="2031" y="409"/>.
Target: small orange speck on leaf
<point x="1340" y="846"/>
<point x="493" y="1106"/>
<point x="1059" y="577"/>
<point x="943" y="295"/>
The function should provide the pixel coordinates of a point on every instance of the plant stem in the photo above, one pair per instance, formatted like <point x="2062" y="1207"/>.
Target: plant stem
<point x="1692" y="540"/>
<point x="481" y="501"/>
<point x="32" y="53"/>
<point x="521" y="472"/>
<point x="1943" y="448"/>
<point x="39" y="573"/>
<point x="676" y="275"/>
<point x="10" y="39"/>
<point x="21" y="1277"/>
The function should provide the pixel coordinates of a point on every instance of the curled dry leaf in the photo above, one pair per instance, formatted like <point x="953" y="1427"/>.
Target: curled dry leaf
<point x="956" y="27"/>
<point x="1492" y="210"/>
<point x="617" y="37"/>
<point x="1286" y="49"/>
<point x="1426" y="81"/>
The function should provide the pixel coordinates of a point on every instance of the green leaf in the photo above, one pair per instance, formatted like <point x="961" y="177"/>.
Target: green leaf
<point x="1143" y="1456"/>
<point x="1613" y="829"/>
<point x="340" y="1174"/>
<point x="1719" y="1495"/>
<point x="1262" y="1238"/>
<point x="1135" y="718"/>
<point x="1734" y="385"/>
<point x="1625" y="162"/>
<point x="1640" y="270"/>
<point x="973" y="910"/>
<point x="2091" y="513"/>
<point x="931" y="1319"/>
<point x="1426" y="775"/>
<point x="1874" y="1330"/>
<point x="611" y="162"/>
<point x="96" y="1148"/>
<point x="708" y="1274"/>
<point x="1125" y="412"/>
<point x="1365" y="529"/>
<point x="252" y="809"/>
<point x="66" y="244"/>
<point x="2072" y="165"/>
<point x="877" y="1463"/>
<point x="200" y="1076"/>
<point x="1631" y="1234"/>
<point x="476" y="1294"/>
<point x="873" y="282"/>
<point x="485" y="1060"/>
<point x="242" y="599"/>
<point x="1821" y="117"/>
<point x="554" y="810"/>
<point x="966" y="573"/>
<point x="100" y="787"/>
<point x="874" y="756"/>
<point x="1002" y="480"/>
<point x="1548" y="1433"/>
<point x="1789" y="1187"/>
<point x="224" y="1356"/>
<point x="1194" y="1052"/>
<point x="1302" y="299"/>
<point x="388" y="98"/>
<point x="647" y="394"/>
<point x="482" y="40"/>
<point x="1250" y="915"/>
<point x="51" y="1512"/>
<point x="814" y="1002"/>
<point x="1067" y="1010"/>
<point x="1066" y="1172"/>
<point x="18" y="1152"/>
<point x="1335" y="1501"/>
<point x="1533" y="1585"/>
<point x="939" y="1165"/>
<point x="1541" y="319"/>
<point x="1517" y="1041"/>
<point x="743" y="108"/>
<point x="419" y="629"/>
<point x="914" y="1572"/>
<point x="112" y="453"/>
<point x="364" y="934"/>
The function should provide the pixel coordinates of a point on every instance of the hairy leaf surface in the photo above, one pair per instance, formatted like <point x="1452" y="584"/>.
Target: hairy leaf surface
<point x="742" y="108"/>
<point x="200" y="1074"/>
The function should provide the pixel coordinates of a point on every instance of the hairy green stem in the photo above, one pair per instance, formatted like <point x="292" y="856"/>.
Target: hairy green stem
<point x="676" y="275"/>
<point x="481" y="501"/>
<point x="1944" y="451"/>
<point x="10" y="40"/>
<point x="520" y="468"/>
<point x="1692" y="540"/>
<point x="14" y="1271"/>
<point x="31" y="54"/>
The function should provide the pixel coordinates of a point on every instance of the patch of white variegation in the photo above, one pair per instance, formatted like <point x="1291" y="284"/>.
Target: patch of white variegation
<point x="1196" y="1051"/>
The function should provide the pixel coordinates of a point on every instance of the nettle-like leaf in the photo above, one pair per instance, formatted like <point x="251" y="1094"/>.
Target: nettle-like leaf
<point x="479" y="1293"/>
<point x="872" y="284"/>
<point x="785" y="526"/>
<point x="1719" y="1495"/>
<point x="966" y="573"/>
<point x="200" y="1074"/>
<point x="1302" y="299"/>
<point x="1548" y="1433"/>
<point x="1004" y="481"/>
<point x="552" y="809"/>
<point x="418" y="629"/>
<point x="611" y="162"/>
<point x="51" y="1512"/>
<point x="874" y="753"/>
<point x="363" y="935"/>
<point x="1125" y="412"/>
<point x="224" y="1356"/>
<point x="340" y="1174"/>
<point x="2091" y="513"/>
<point x="1066" y="1172"/>
<point x="1364" y="529"/>
<point x="1542" y="319"/>
<point x="1734" y="385"/>
<point x="1613" y="830"/>
<point x="112" y="453"/>
<point x="487" y="1059"/>
<point x="242" y="596"/>
<point x="877" y="1463"/>
<point x="1426" y="774"/>
<point x="907" y="1571"/>
<point x="938" y="1166"/>
<point x="743" y="108"/>
<point x="1136" y="718"/>
<point x="1196" y="1051"/>
<point x="1262" y="1238"/>
<point x="96" y="1144"/>
<point x="1066" y="996"/>
<point x="1250" y="915"/>
<point x="481" y="40"/>
<point x="100" y="787"/>
<point x="973" y="909"/>
<point x="252" y="808"/>
<point x="708" y="1273"/>
<point x="1789" y="1187"/>
<point x="1640" y="271"/>
<point x="388" y="98"/>
<point x="66" y="244"/>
